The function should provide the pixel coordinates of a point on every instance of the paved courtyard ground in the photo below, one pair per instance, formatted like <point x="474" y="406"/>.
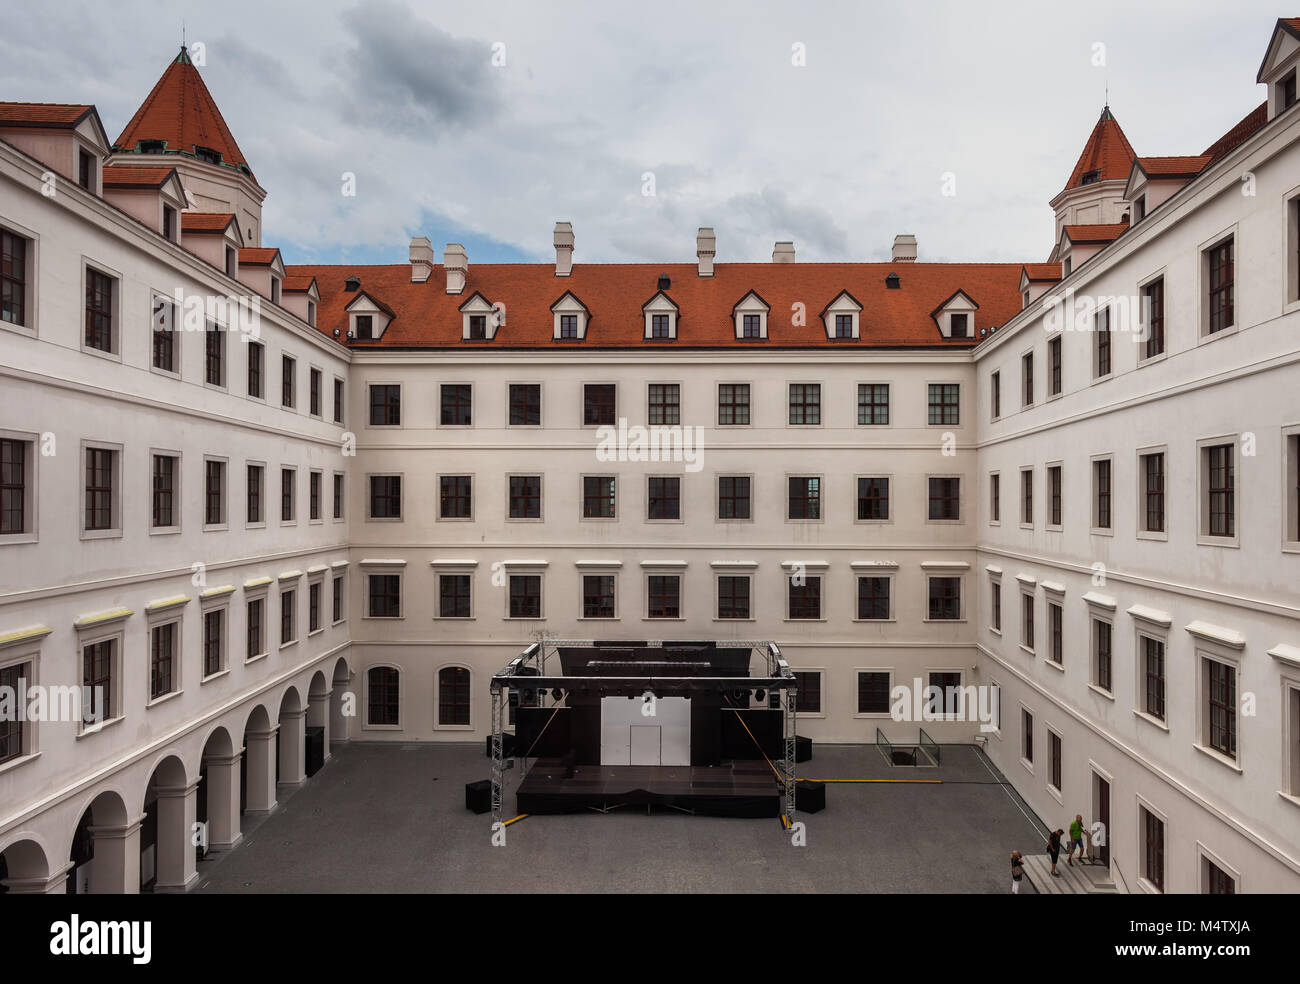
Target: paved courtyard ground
<point x="392" y="818"/>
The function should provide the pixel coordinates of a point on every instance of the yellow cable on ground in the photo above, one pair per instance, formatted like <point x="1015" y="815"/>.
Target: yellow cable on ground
<point x="507" y="823"/>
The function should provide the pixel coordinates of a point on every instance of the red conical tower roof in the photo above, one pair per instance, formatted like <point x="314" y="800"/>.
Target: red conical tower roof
<point x="1107" y="152"/>
<point x="182" y="112"/>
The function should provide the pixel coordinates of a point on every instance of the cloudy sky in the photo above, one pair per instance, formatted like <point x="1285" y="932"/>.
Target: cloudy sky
<point x="485" y="121"/>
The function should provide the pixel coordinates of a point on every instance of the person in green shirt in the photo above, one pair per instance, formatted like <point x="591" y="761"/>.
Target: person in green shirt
<point x="1076" y="840"/>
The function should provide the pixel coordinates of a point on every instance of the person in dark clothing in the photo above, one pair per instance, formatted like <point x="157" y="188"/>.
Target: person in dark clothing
<point x="1017" y="871"/>
<point x="1054" y="848"/>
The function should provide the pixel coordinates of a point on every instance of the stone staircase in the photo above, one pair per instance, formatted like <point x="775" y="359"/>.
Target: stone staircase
<point x="1081" y="879"/>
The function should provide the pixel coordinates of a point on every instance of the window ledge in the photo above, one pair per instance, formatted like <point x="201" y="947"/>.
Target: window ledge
<point x="1293" y="800"/>
<point x="163" y="699"/>
<point x="1218" y="756"/>
<point x="1027" y="650"/>
<point x="162" y="531"/>
<point x="1054" y="664"/>
<point x="1152" y="535"/>
<point x="97" y="728"/>
<point x="216" y="676"/>
<point x="1055" y="793"/>
<point x="1155" y="722"/>
<point x="254" y="659"/>
<point x="113" y="534"/>
<point x="1101" y="693"/>
<point x="1227" y="542"/>
<point x="1027" y="765"/>
<point x="33" y="756"/>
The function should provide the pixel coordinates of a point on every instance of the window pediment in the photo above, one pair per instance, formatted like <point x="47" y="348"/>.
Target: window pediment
<point x="570" y="318"/>
<point x="844" y="310"/>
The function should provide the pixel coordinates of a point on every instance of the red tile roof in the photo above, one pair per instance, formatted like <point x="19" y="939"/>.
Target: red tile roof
<point x="1040" y="272"/>
<point x="181" y="111"/>
<point x="1238" y="135"/>
<point x="130" y="176"/>
<point x="1105" y="232"/>
<point x="42" y="114"/>
<point x="296" y="284"/>
<point x="1107" y="151"/>
<point x="1173" y="167"/>
<point x="258" y="255"/>
<point x="425" y="316"/>
<point x="206" y="221"/>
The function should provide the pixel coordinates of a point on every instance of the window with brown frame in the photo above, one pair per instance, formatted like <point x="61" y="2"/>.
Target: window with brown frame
<point x="752" y="326"/>
<point x="1055" y="513"/>
<point x="805" y="599"/>
<point x="287" y="369"/>
<point x="525" y="596"/>
<point x="960" y="326"/>
<point x="1101" y="366"/>
<point x="385" y="405"/>
<point x="1027" y="736"/>
<point x="214" y="493"/>
<point x="1101" y="491"/>
<point x="385" y="591"/>
<point x="873" y="598"/>
<point x="733" y="497"/>
<point x="455" y="497"/>
<point x="1102" y="657"/>
<point x="873" y="498"/>
<point x="995" y="394"/>
<point x="873" y="404"/>
<point x="256" y="632"/>
<point x="164" y="490"/>
<point x="1027" y="621"/>
<point x="1218" y="881"/>
<point x="1054" y="776"/>
<point x="659" y="326"/>
<point x="214" y="634"/>
<point x="86" y="170"/>
<point x="598" y="404"/>
<point x="313" y="495"/>
<point x="453" y="696"/>
<point x="568" y="326"/>
<point x="214" y="351"/>
<point x="164" y="335"/>
<point x="733" y="596"/>
<point x="665" y="403"/>
<point x="525" y="496"/>
<point x="478" y="327"/>
<point x="1220" y="490"/>
<point x="598" y="497"/>
<point x="804" y="500"/>
<point x="162" y="656"/>
<point x="598" y="596"/>
<point x="1221" y="286"/>
<point x="339" y="599"/>
<point x="288" y="616"/>
<point x="945" y="403"/>
<point x="873" y="692"/>
<point x="995" y="604"/>
<point x="948" y="684"/>
<point x="995" y="498"/>
<point x="256" y="492"/>
<point x="101" y="467"/>
<point x="664" y="497"/>
<point x="1027" y="377"/>
<point x="456" y="404"/>
<point x="1153" y="297"/>
<point x="805" y="403"/>
<point x="1153" y="848"/>
<point x="14" y="485"/>
<point x="13" y="729"/>
<point x="1153" y="670"/>
<point x="1055" y="620"/>
<point x="383" y="696"/>
<point x="13" y="278"/>
<point x="313" y="606"/>
<point x="733" y="404"/>
<point x="1054" y="366"/>
<point x="945" y="598"/>
<point x="1153" y="492"/>
<point x="810" y="691"/>
<point x="1221" y="693"/>
<point x="313" y="392"/>
<point x="525" y="404"/>
<point x="288" y="490"/>
<point x="338" y="401"/>
<point x="98" y="666"/>
<point x="256" y="359"/>
<point x="99" y="310"/>
<point x="454" y="596"/>
<point x="665" y="596"/>
<point x="1027" y="497"/>
<point x="945" y="498"/>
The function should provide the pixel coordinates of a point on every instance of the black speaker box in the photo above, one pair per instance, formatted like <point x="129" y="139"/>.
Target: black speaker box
<point x="802" y="748"/>
<point x="810" y="797"/>
<point x="478" y="796"/>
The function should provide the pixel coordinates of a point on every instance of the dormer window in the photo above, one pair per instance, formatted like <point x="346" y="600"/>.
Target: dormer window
<point x="1067" y="266"/>
<point x="478" y="327"/>
<point x="480" y="319"/>
<point x="86" y="170"/>
<point x="207" y="155"/>
<point x="571" y="317"/>
<point x="275" y="290"/>
<point x="841" y="317"/>
<point x="753" y="326"/>
<point x="956" y="316"/>
<point x="959" y="325"/>
<point x="365" y="328"/>
<point x="311" y="313"/>
<point x="1139" y="209"/>
<point x="1090" y="177"/>
<point x="1286" y="88"/>
<point x="232" y="261"/>
<point x="660" y="314"/>
<point x="843" y="326"/>
<point x="892" y="282"/>
<point x="750" y="317"/>
<point x="659" y="326"/>
<point x="169" y="223"/>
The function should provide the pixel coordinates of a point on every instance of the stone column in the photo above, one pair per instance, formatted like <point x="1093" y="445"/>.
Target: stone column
<point x="260" y="749"/>
<point x="318" y="716"/>
<point x="177" y="808"/>
<point x="223" y="802"/>
<point x="53" y="884"/>
<point x="115" y="869"/>
<point x="293" y="748"/>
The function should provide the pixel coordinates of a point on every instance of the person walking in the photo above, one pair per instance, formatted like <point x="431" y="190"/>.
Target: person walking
<point x="1076" y="840"/>
<point x="1017" y="871"/>
<point x="1054" y="848"/>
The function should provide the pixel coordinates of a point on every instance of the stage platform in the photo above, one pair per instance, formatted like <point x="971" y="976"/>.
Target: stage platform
<point x="732" y="789"/>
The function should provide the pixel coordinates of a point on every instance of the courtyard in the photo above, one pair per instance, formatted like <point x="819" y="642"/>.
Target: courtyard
<point x="391" y="818"/>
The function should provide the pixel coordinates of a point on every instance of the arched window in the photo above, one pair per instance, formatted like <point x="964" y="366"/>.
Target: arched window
<point x="382" y="695"/>
<point x="453" y="696"/>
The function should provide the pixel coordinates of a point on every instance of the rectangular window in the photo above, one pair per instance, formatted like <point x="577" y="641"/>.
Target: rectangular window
<point x="805" y="497"/>
<point x="805" y="403"/>
<point x="665" y="403"/>
<point x="457" y="405"/>
<point x="288" y="616"/>
<point x="1102" y="332"/>
<point x="101" y="468"/>
<point x="598" y="404"/>
<point x="525" y="496"/>
<point x="843" y="326"/>
<point x="1101" y="491"/>
<point x="873" y="404"/>
<point x="338" y="401"/>
<point x="288" y="481"/>
<point x="733" y="497"/>
<point x="1054" y="777"/>
<point x="995" y="604"/>
<point x="752" y="326"/>
<point x="525" y="404"/>
<point x="1222" y="283"/>
<point x="873" y="692"/>
<point x="945" y="404"/>
<point x="598" y="596"/>
<point x="1027" y="621"/>
<point x="1220" y="489"/>
<point x="287" y="371"/>
<point x="1027" y="736"/>
<point x="313" y="496"/>
<point x="164" y="335"/>
<point x="15" y="486"/>
<point x="478" y="327"/>
<point x="13" y="278"/>
<point x="733" y="596"/>
<point x="313" y="392"/>
<point x="1221" y="691"/>
<point x="949" y="686"/>
<point x="1102" y="656"/>
<point x="365" y="327"/>
<point x="1055" y="617"/>
<point x="659" y="326"/>
<point x="385" y="592"/>
<point x="1153" y="848"/>
<point x="805" y="599"/>
<point x="162" y="660"/>
<point x="214" y="636"/>
<point x="959" y="324"/>
<point x="1027" y="378"/>
<point x="1153" y="670"/>
<point x="313" y="606"/>
<point x="455" y="497"/>
<point x="256" y="493"/>
<point x="256" y="361"/>
<point x="454" y="596"/>
<point x="873" y="598"/>
<point x="256" y="640"/>
<point x="453" y="697"/>
<point x="164" y="491"/>
<point x="945" y="498"/>
<point x="1218" y="881"/>
<point x="1153" y="300"/>
<point x="1054" y="366"/>
<point x="995" y="498"/>
<point x="733" y="404"/>
<point x="1027" y="497"/>
<point x="568" y="326"/>
<point x="385" y="405"/>
<point x="665" y="595"/>
<point x="598" y="497"/>
<point x="214" y="492"/>
<point x="340" y="600"/>
<point x="525" y="596"/>
<point x="214" y="356"/>
<point x="945" y="598"/>
<point x="873" y="498"/>
<point x="810" y="691"/>
<point x="664" y="498"/>
<point x="1056" y="514"/>
<point x="99" y="310"/>
<point x="995" y="394"/>
<point x="1153" y="493"/>
<point x="385" y="497"/>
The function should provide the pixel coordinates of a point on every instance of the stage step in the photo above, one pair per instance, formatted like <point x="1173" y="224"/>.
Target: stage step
<point x="1079" y="879"/>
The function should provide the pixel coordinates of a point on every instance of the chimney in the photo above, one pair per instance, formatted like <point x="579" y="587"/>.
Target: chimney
<point x="563" y="249"/>
<point x="904" y="248"/>
<point x="456" y="263"/>
<point x="783" y="253"/>
<point x="421" y="259"/>
<point x="705" y="247"/>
